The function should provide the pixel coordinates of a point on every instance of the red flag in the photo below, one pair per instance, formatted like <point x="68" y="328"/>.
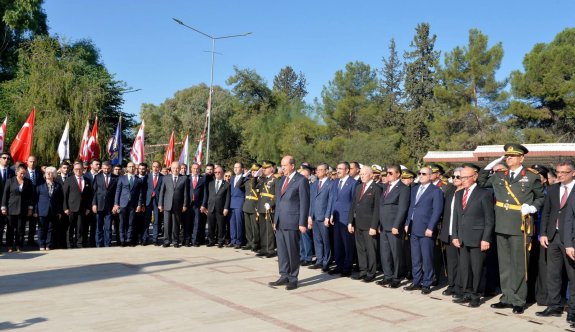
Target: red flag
<point x="93" y="147"/>
<point x="170" y="152"/>
<point x="83" y="154"/>
<point x="22" y="144"/>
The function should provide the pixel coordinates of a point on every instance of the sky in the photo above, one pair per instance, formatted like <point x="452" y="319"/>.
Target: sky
<point x="141" y="44"/>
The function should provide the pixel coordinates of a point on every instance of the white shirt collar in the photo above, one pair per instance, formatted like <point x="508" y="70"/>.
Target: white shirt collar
<point x="344" y="179"/>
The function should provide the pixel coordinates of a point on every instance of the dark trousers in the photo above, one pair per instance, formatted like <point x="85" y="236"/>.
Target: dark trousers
<point x="92" y="228"/>
<point x="216" y="227"/>
<point x="471" y="268"/>
<point x="3" y="224"/>
<point x="15" y="231"/>
<point x="198" y="225"/>
<point x="288" y="253"/>
<point x="406" y="266"/>
<point x="557" y="262"/>
<point x="32" y="222"/>
<point x="45" y="230"/>
<point x="236" y="226"/>
<point x="422" y="260"/>
<point x="189" y="224"/>
<point x="152" y="217"/>
<point x="267" y="236"/>
<point x="452" y="262"/>
<point x="116" y="227"/>
<point x="104" y="229"/>
<point x="511" y="254"/>
<point x="306" y="246"/>
<point x="366" y="252"/>
<point x="252" y="231"/>
<point x="127" y="216"/>
<point x="59" y="232"/>
<point x="343" y="247"/>
<point x="77" y="230"/>
<point x="321" y="243"/>
<point x="390" y="253"/>
<point x="541" y="295"/>
<point x="172" y="224"/>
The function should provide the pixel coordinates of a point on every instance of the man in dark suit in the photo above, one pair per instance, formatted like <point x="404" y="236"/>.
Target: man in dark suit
<point x="154" y="182"/>
<point x="77" y="202"/>
<point x="290" y="219"/>
<point x="173" y="202"/>
<point x="559" y="202"/>
<point x="104" y="186"/>
<point x="343" y="241"/>
<point x="35" y="175"/>
<point x="5" y="174"/>
<point x="474" y="220"/>
<point x="197" y="222"/>
<point x="363" y="220"/>
<point x="319" y="214"/>
<point x="393" y="206"/>
<point x="128" y="200"/>
<point x="142" y="226"/>
<point x="425" y="209"/>
<point x="217" y="202"/>
<point x="237" y="198"/>
<point x="95" y="167"/>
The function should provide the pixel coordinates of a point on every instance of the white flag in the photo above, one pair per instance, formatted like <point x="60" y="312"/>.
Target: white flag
<point x="3" y="134"/>
<point x="64" y="146"/>
<point x="137" y="153"/>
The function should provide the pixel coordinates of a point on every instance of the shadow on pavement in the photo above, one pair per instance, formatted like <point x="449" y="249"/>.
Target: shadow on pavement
<point x="26" y="323"/>
<point x="20" y="255"/>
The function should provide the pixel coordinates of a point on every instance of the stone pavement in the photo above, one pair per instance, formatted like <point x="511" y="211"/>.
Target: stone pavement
<point x="155" y="289"/>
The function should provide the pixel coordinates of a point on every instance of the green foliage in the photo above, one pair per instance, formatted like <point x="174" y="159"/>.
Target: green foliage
<point x="291" y="84"/>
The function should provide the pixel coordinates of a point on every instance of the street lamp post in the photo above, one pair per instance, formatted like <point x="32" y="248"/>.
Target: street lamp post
<point x="213" y="38"/>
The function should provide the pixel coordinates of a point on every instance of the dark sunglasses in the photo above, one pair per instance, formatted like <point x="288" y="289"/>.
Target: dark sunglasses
<point x="419" y="173"/>
<point x="456" y="177"/>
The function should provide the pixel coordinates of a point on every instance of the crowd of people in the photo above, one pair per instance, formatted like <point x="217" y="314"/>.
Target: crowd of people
<point x="505" y="228"/>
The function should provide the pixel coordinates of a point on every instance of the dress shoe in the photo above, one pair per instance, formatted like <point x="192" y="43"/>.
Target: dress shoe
<point x="291" y="285"/>
<point x="261" y="254"/>
<point x="570" y="318"/>
<point x="306" y="263"/>
<point x="314" y="267"/>
<point x="196" y="244"/>
<point x="10" y="250"/>
<point x="550" y="311"/>
<point x="517" y="309"/>
<point x="237" y="246"/>
<point x="359" y="277"/>
<point x="346" y="274"/>
<point x="210" y="245"/>
<point x="325" y="269"/>
<point x="220" y="245"/>
<point x="425" y="290"/>
<point x="501" y="305"/>
<point x="383" y="282"/>
<point x="474" y="303"/>
<point x="156" y="244"/>
<point x="279" y="282"/>
<point x="165" y="245"/>
<point x="412" y="287"/>
<point x="368" y="279"/>
<point x="447" y="292"/>
<point x="272" y="255"/>
<point x="394" y="284"/>
<point x="189" y="245"/>
<point x="335" y="271"/>
<point x="457" y="295"/>
<point x="246" y="248"/>
<point x="176" y="245"/>
<point x="463" y="299"/>
<point x="229" y="245"/>
<point x="435" y="282"/>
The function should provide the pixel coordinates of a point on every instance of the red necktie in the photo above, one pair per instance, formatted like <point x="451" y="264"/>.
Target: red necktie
<point x="562" y="204"/>
<point x="155" y="180"/>
<point x="465" y="194"/>
<point x="195" y="182"/>
<point x="285" y="185"/>
<point x="362" y="191"/>
<point x="80" y="183"/>
<point x="107" y="180"/>
<point x="387" y="190"/>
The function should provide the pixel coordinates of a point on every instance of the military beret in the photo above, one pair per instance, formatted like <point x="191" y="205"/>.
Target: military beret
<point x="267" y="164"/>
<point x="541" y="169"/>
<point x="514" y="149"/>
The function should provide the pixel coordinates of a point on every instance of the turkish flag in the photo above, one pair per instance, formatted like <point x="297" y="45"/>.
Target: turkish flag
<point x="170" y="152"/>
<point x="83" y="153"/>
<point x="93" y="147"/>
<point x="22" y="144"/>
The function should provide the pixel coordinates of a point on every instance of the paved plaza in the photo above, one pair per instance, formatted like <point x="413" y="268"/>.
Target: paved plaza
<point x="156" y="289"/>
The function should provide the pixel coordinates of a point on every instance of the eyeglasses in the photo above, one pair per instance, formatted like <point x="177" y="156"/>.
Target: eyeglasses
<point x="559" y="172"/>
<point x="456" y="177"/>
<point x="465" y="177"/>
<point x="7" y="158"/>
<point x="420" y="173"/>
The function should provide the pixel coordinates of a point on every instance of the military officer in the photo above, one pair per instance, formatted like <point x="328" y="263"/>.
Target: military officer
<point x="249" y="209"/>
<point x="265" y="209"/>
<point x="518" y="195"/>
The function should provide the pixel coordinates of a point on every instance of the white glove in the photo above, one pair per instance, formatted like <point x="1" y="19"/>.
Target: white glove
<point x="528" y="209"/>
<point x="259" y="172"/>
<point x="267" y="206"/>
<point x="495" y="162"/>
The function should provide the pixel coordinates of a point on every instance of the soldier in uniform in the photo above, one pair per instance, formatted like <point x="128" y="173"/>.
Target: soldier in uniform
<point x="518" y="195"/>
<point x="265" y="209"/>
<point x="249" y="209"/>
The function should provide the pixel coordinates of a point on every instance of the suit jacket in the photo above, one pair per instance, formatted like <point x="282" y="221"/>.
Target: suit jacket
<point x="341" y="200"/>
<point x="15" y="201"/>
<point x="37" y="174"/>
<point x="150" y="189"/>
<point x="60" y="180"/>
<point x="393" y="207"/>
<point x="88" y="175"/>
<point x="425" y="214"/>
<point x="9" y="173"/>
<point x="129" y="196"/>
<point x="475" y="223"/>
<point x="552" y="212"/>
<point x="364" y="212"/>
<point x="104" y="196"/>
<point x="196" y="195"/>
<point x="320" y="200"/>
<point x="47" y="204"/>
<point x="217" y="202"/>
<point x="444" y="232"/>
<point x="292" y="207"/>
<point x="74" y="199"/>
<point x="174" y="197"/>
<point x="238" y="192"/>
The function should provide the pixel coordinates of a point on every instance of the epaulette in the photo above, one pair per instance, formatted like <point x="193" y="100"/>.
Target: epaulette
<point x="277" y="176"/>
<point x="532" y="170"/>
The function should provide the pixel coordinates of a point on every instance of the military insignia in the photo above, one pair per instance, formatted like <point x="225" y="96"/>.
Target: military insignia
<point x="524" y="179"/>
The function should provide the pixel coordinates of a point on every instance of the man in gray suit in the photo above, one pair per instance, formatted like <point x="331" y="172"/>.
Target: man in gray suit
<point x="173" y="202"/>
<point x="292" y="208"/>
